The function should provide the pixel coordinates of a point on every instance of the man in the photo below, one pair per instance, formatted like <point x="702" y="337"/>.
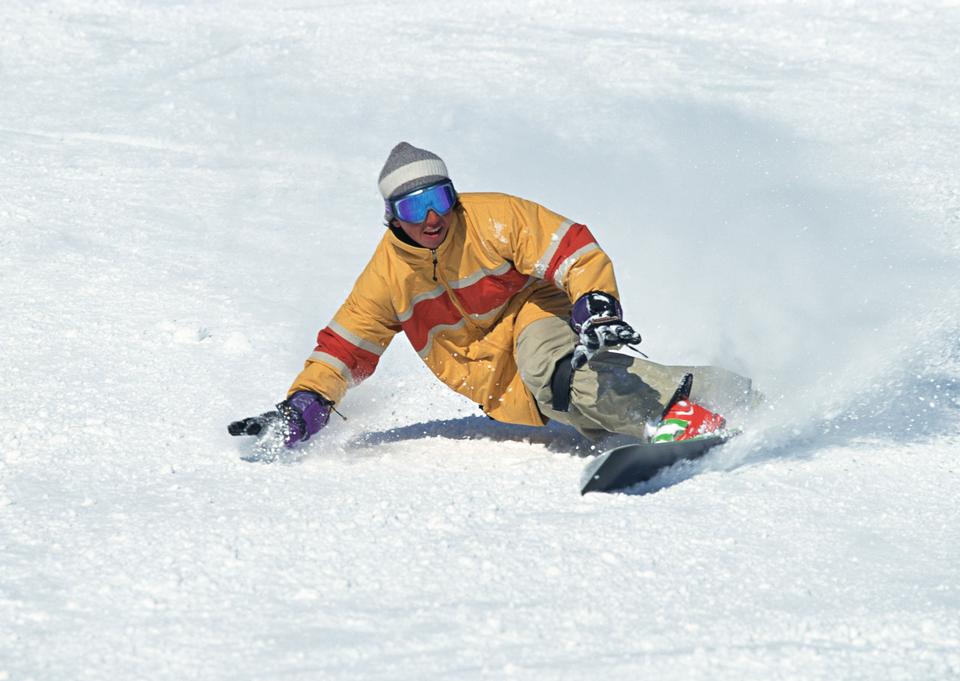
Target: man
<point x="509" y="304"/>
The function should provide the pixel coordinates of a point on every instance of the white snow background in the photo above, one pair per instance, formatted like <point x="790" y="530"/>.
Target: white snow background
<point x="187" y="192"/>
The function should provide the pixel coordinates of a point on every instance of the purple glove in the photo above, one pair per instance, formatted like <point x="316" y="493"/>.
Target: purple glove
<point x="597" y="319"/>
<point x="306" y="413"/>
<point x="296" y="419"/>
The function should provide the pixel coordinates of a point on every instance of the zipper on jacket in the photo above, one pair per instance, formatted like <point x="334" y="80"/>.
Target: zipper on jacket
<point x="438" y="276"/>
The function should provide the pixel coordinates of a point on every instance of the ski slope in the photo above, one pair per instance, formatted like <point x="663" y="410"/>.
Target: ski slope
<point x="187" y="192"/>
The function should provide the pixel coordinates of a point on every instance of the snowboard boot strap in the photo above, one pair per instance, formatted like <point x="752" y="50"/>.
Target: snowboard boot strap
<point x="560" y="384"/>
<point x="682" y="393"/>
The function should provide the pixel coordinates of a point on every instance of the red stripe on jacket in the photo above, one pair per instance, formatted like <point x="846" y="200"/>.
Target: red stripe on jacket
<point x="360" y="362"/>
<point x="576" y="238"/>
<point x="478" y="298"/>
<point x="490" y="292"/>
<point x="426" y="315"/>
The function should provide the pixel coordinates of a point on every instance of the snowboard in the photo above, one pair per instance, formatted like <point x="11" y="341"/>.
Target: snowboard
<point x="628" y="465"/>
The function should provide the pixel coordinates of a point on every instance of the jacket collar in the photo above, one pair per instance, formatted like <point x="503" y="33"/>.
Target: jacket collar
<point x="402" y="236"/>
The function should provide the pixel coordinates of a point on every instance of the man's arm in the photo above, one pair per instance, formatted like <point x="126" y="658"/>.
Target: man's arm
<point x="347" y="352"/>
<point x="549" y="246"/>
<point x="349" y="347"/>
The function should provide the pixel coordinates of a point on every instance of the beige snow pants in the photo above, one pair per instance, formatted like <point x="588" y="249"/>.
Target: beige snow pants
<point x="616" y="393"/>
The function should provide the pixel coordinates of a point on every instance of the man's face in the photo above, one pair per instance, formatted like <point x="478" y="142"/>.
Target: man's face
<point x="431" y="232"/>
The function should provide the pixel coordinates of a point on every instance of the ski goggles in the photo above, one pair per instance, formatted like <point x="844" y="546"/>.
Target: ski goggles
<point x="413" y="207"/>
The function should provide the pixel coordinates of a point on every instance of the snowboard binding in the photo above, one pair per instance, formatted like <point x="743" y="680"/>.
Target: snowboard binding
<point x="686" y="420"/>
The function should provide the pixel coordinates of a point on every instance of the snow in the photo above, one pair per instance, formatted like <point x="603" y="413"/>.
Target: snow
<point x="187" y="192"/>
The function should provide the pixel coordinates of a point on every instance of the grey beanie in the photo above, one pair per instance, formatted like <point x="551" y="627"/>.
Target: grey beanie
<point x="408" y="169"/>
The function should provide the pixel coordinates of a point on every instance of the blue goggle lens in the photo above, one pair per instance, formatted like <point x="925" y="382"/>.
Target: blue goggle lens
<point x="413" y="207"/>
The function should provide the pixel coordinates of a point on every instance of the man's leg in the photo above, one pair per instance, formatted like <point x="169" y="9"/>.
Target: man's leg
<point x="615" y="393"/>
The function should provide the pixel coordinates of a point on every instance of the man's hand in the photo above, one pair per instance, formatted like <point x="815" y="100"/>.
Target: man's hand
<point x="597" y="319"/>
<point x="295" y="420"/>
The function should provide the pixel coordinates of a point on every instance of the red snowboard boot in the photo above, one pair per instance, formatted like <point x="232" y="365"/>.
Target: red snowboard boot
<point x="685" y="420"/>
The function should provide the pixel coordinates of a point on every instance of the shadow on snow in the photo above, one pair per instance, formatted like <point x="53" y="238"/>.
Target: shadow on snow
<point x="555" y="437"/>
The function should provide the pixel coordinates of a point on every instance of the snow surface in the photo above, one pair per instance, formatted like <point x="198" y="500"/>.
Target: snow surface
<point x="187" y="192"/>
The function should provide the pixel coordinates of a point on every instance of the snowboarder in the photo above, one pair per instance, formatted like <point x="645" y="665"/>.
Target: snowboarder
<point x="510" y="305"/>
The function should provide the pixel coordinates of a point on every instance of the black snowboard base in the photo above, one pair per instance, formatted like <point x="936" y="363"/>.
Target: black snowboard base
<point x="628" y="465"/>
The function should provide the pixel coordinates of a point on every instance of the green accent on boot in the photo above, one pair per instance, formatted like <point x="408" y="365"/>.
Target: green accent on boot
<point x="670" y="435"/>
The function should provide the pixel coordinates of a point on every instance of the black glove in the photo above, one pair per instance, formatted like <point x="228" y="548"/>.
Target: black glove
<point x="597" y="319"/>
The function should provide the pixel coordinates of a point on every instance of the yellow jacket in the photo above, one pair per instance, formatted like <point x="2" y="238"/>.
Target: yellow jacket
<point x="505" y="263"/>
